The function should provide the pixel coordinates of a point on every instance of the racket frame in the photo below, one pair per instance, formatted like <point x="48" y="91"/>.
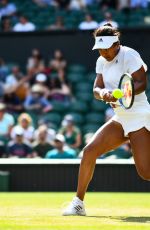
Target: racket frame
<point x="132" y="85"/>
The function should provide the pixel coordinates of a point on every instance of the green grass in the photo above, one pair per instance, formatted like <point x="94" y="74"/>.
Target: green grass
<point x="106" y="211"/>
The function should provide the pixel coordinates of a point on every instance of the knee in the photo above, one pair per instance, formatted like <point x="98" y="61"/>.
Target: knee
<point x="144" y="173"/>
<point x="89" y="152"/>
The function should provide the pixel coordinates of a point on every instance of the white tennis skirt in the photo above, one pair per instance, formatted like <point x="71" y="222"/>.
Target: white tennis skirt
<point x="135" y="118"/>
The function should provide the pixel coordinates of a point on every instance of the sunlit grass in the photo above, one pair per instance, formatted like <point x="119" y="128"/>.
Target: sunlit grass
<point x="106" y="211"/>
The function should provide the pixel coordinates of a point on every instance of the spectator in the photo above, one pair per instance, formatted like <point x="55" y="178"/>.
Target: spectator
<point x="124" y="5"/>
<point x="7" y="9"/>
<point x="58" y="65"/>
<point x="3" y="150"/>
<point x="4" y="70"/>
<point x="71" y="133"/>
<point x="41" y="146"/>
<point x="14" y="104"/>
<point x="44" y="3"/>
<point x="35" y="63"/>
<point x="24" y="25"/>
<point x="77" y="5"/>
<point x="17" y="83"/>
<point x="44" y="125"/>
<point x="108" y="19"/>
<point x="58" y="61"/>
<point x="3" y="73"/>
<point x="60" y="152"/>
<point x="36" y="102"/>
<point x="41" y="79"/>
<point x="58" y="24"/>
<point x="59" y="90"/>
<point x="62" y="4"/>
<point x="2" y="91"/>
<point x="18" y="147"/>
<point x="108" y="4"/>
<point x="6" y="25"/>
<point x="14" y="77"/>
<point x="139" y="3"/>
<point x="6" y="122"/>
<point x="88" y="24"/>
<point x="90" y="2"/>
<point x="25" y="122"/>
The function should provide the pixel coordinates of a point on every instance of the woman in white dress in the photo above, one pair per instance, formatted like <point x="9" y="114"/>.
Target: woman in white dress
<point x="132" y="124"/>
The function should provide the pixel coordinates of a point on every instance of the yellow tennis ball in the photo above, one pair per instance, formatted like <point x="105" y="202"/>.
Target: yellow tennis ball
<point x="117" y="93"/>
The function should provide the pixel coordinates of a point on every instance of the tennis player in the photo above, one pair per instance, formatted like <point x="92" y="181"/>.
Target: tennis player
<point x="132" y="124"/>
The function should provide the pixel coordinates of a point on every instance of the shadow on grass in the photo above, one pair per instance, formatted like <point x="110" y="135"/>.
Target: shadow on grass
<point x="138" y="219"/>
<point x="135" y="219"/>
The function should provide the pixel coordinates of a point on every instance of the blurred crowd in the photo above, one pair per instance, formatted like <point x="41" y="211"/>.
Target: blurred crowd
<point x="14" y="19"/>
<point x="24" y="97"/>
<point x="84" y="4"/>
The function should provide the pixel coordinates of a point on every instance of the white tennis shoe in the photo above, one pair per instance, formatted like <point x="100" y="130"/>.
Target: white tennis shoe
<point x="75" y="208"/>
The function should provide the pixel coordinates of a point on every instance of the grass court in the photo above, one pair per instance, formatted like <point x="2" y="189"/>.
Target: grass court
<point x="106" y="211"/>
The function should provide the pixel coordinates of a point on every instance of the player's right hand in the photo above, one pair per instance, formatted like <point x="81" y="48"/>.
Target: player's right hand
<point x="108" y="97"/>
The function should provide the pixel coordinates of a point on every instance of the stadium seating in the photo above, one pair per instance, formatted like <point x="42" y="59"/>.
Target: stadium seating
<point x="78" y="118"/>
<point x="98" y="106"/>
<point x="83" y="87"/>
<point x="96" y="118"/>
<point x="75" y="77"/>
<point x="84" y="96"/>
<point x="79" y="107"/>
<point x="90" y="128"/>
<point x="52" y="117"/>
<point x="47" y="15"/>
<point x="59" y="107"/>
<point x="35" y="118"/>
<point x="77" y="68"/>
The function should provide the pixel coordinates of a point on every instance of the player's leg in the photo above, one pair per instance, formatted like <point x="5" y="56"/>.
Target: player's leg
<point x="108" y="137"/>
<point x="140" y="144"/>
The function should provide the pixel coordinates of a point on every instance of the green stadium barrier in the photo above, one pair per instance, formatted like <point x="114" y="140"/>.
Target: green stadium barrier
<point x="4" y="181"/>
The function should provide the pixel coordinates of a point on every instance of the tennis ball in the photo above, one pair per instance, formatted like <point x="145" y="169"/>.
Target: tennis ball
<point x="117" y="93"/>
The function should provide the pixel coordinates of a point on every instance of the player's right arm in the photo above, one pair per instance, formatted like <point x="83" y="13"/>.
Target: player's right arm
<point x="98" y="85"/>
<point x="100" y="92"/>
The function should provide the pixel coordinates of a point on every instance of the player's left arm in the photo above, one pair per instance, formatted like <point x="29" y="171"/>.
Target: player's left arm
<point x="140" y="80"/>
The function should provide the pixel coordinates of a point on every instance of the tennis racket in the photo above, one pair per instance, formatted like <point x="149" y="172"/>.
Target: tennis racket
<point x="126" y="85"/>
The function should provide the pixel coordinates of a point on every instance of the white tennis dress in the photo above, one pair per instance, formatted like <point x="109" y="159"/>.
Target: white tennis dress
<point x="127" y="61"/>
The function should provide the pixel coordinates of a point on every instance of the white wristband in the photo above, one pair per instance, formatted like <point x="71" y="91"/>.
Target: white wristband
<point x="102" y="92"/>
